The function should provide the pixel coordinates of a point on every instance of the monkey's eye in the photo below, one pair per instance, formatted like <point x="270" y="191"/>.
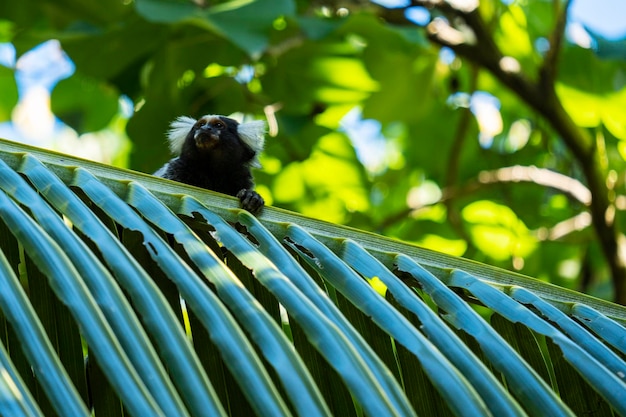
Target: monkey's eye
<point x="219" y="125"/>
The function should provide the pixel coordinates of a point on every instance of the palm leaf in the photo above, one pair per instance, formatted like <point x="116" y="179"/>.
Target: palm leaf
<point x="169" y="299"/>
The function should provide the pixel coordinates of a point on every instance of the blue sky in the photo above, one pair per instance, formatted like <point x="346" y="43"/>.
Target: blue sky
<point x="606" y="17"/>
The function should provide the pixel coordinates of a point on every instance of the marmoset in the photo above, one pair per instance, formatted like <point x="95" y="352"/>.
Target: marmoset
<point x="216" y="153"/>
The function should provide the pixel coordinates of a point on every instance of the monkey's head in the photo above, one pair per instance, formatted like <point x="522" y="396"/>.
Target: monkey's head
<point x="220" y="137"/>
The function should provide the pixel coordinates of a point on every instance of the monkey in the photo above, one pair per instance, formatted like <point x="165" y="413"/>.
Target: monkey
<point x="216" y="153"/>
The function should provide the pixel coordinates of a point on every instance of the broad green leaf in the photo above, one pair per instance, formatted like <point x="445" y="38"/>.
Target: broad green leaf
<point x="437" y="138"/>
<point x="583" y="107"/>
<point x="7" y="29"/>
<point x="403" y="96"/>
<point x="318" y="73"/>
<point x="8" y="98"/>
<point x="512" y="35"/>
<point x="540" y="17"/>
<point x="115" y="54"/>
<point x="316" y="28"/>
<point x="96" y="11"/>
<point x="332" y="174"/>
<point x="608" y="48"/>
<point x="342" y="79"/>
<point x="497" y="231"/>
<point x="295" y="141"/>
<point x="167" y="11"/>
<point x="249" y="25"/>
<point x="613" y="113"/>
<point x="455" y="247"/>
<point x="245" y="23"/>
<point x="84" y="104"/>
<point x="333" y="168"/>
<point x="592" y="90"/>
<point x="289" y="184"/>
<point x="590" y="109"/>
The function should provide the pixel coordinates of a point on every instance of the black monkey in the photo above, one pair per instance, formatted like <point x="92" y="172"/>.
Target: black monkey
<point x="216" y="153"/>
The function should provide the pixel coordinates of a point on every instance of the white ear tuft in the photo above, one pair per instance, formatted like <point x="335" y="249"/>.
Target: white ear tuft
<point x="253" y="135"/>
<point x="179" y="129"/>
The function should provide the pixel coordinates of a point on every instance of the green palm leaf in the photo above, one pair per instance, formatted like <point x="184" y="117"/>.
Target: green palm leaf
<point x="176" y="295"/>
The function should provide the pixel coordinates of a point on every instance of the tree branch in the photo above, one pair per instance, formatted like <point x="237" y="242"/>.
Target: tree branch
<point x="503" y="176"/>
<point x="454" y="157"/>
<point x="562" y="229"/>
<point x="518" y="174"/>
<point x="549" y="69"/>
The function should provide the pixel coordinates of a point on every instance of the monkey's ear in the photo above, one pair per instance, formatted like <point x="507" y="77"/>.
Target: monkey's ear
<point x="179" y="129"/>
<point x="253" y="135"/>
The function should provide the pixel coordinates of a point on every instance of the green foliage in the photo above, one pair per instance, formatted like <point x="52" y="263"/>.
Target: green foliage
<point x="305" y="65"/>
<point x="86" y="105"/>
<point x="8" y="99"/>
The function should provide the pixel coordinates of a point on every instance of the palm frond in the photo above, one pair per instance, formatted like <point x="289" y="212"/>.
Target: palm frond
<point x="122" y="291"/>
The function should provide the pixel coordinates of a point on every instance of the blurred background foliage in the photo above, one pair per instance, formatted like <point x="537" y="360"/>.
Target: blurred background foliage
<point x="373" y="121"/>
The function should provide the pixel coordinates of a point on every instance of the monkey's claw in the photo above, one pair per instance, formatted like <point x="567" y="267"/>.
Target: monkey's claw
<point x="250" y="200"/>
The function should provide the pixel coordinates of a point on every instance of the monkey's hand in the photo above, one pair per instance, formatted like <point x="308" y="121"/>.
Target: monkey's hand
<point x="250" y="200"/>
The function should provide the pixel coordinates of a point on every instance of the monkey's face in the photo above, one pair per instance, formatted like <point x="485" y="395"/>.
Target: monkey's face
<point x="215" y="139"/>
<point x="208" y="132"/>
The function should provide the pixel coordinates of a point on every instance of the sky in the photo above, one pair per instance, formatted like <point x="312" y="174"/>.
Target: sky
<point x="38" y="71"/>
<point x="606" y="17"/>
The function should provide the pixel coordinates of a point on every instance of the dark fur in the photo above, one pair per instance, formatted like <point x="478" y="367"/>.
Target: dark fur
<point x="221" y="165"/>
